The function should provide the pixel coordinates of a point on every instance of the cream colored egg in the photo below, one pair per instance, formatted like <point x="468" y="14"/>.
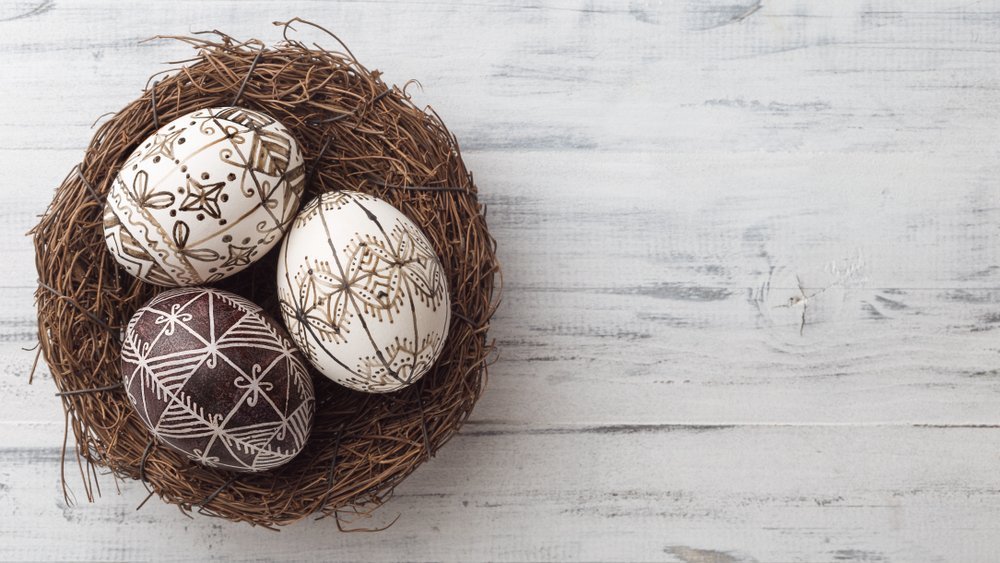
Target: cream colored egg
<point x="204" y="197"/>
<point x="362" y="292"/>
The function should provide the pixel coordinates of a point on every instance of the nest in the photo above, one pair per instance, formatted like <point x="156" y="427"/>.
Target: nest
<point x="356" y="133"/>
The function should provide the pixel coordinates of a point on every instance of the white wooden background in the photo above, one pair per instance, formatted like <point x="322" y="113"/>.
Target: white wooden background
<point x="662" y="177"/>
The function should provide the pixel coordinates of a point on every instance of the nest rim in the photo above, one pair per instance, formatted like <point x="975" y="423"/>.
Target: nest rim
<point x="356" y="133"/>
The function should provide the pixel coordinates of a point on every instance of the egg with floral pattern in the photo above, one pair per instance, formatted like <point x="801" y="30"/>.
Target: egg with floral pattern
<point x="204" y="197"/>
<point x="362" y="292"/>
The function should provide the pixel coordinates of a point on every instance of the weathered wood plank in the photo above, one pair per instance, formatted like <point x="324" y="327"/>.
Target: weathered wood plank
<point x="851" y="76"/>
<point x="716" y="494"/>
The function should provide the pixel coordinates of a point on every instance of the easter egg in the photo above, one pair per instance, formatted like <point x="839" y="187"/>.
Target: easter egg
<point x="362" y="292"/>
<point x="204" y="197"/>
<point x="214" y="378"/>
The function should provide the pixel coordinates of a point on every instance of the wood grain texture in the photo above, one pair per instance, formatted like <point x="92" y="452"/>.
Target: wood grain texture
<point x="694" y="495"/>
<point x="752" y="277"/>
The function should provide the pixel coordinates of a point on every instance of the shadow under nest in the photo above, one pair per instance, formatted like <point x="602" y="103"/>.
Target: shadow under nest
<point x="356" y="133"/>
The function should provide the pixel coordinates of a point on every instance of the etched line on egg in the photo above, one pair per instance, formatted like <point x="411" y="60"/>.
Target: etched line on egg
<point x="252" y="170"/>
<point x="299" y="315"/>
<point x="262" y="204"/>
<point x="350" y="295"/>
<point x="130" y="252"/>
<point x="166" y="176"/>
<point x="271" y="147"/>
<point x="151" y="246"/>
<point x="396" y="247"/>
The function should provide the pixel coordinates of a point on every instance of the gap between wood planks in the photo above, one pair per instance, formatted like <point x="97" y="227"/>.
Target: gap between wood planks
<point x="703" y="427"/>
<point x="471" y="431"/>
<point x="655" y="426"/>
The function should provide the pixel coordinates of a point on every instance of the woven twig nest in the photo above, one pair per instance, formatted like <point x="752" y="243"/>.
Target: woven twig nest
<point x="357" y="133"/>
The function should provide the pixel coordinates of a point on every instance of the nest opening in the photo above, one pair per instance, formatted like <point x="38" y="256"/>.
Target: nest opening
<point x="356" y="133"/>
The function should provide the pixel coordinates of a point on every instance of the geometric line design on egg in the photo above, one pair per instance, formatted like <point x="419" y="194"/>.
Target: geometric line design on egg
<point x="379" y="275"/>
<point x="267" y="422"/>
<point x="183" y="226"/>
<point x="163" y="145"/>
<point x="203" y="197"/>
<point x="131" y="255"/>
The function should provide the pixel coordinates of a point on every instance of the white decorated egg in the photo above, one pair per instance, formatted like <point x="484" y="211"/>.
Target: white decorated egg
<point x="362" y="292"/>
<point x="204" y="197"/>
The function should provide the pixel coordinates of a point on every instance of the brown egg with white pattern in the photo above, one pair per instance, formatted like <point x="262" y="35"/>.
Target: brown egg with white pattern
<point x="211" y="376"/>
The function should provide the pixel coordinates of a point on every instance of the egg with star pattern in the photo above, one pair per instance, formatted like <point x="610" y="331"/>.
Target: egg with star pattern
<point x="204" y="197"/>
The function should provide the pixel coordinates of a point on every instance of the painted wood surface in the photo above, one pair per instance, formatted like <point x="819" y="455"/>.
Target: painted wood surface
<point x="752" y="277"/>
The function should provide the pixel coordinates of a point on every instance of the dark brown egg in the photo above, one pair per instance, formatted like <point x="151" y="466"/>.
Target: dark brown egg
<point x="213" y="377"/>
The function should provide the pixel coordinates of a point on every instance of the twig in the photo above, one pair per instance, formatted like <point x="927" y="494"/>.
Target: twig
<point x="111" y="387"/>
<point x="246" y="78"/>
<point x="156" y="116"/>
<point x="211" y="497"/>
